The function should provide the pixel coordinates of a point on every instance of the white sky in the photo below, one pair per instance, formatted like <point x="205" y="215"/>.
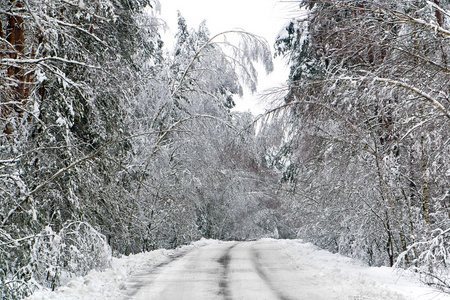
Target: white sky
<point x="261" y="17"/>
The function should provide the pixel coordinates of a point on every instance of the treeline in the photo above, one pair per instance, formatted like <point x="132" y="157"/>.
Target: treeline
<point x="110" y="143"/>
<point x="366" y="119"/>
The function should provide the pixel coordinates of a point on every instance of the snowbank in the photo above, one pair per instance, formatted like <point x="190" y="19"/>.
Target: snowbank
<point x="113" y="283"/>
<point x="374" y="282"/>
<point x="387" y="281"/>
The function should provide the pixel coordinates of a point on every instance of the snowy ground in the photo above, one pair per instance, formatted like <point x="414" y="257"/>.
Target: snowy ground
<point x="372" y="282"/>
<point x="265" y="269"/>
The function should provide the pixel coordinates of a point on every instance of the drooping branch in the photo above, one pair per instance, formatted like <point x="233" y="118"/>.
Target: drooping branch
<point x="202" y="48"/>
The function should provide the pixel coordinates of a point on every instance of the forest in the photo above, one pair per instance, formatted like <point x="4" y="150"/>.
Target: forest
<point x="110" y="144"/>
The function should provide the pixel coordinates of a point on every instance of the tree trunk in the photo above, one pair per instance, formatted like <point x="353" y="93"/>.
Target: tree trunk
<point x="425" y="201"/>
<point x="390" y="241"/>
<point x="440" y="21"/>
<point x="437" y="12"/>
<point x="15" y="36"/>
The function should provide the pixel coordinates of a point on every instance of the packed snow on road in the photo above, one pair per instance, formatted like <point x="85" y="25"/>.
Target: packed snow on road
<point x="264" y="269"/>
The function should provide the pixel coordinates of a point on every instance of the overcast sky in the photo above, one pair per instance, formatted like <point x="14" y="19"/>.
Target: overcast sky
<point x="261" y="17"/>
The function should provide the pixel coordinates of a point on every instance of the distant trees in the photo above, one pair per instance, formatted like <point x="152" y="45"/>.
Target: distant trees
<point x="367" y="152"/>
<point x="185" y="186"/>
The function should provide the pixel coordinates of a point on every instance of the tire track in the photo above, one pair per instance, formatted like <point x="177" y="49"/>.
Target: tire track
<point x="263" y="275"/>
<point x="140" y="279"/>
<point x="224" y="261"/>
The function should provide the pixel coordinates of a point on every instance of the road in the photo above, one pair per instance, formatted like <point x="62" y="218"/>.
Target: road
<point x="248" y="270"/>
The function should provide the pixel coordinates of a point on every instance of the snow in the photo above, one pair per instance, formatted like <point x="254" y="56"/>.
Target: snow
<point x="113" y="282"/>
<point x="381" y="280"/>
<point x="323" y="275"/>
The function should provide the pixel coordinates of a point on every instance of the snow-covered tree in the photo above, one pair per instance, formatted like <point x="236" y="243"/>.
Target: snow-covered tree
<point x="368" y="122"/>
<point x="67" y="77"/>
<point x="187" y="110"/>
<point x="108" y="140"/>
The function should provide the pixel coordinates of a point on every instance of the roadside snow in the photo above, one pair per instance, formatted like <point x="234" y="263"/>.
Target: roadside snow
<point x="352" y="277"/>
<point x="363" y="278"/>
<point x="113" y="282"/>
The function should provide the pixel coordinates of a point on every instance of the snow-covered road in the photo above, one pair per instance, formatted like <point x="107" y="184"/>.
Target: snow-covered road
<point x="264" y="269"/>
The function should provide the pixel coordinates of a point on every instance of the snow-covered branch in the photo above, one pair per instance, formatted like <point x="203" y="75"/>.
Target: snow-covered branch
<point x="398" y="83"/>
<point x="16" y="62"/>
